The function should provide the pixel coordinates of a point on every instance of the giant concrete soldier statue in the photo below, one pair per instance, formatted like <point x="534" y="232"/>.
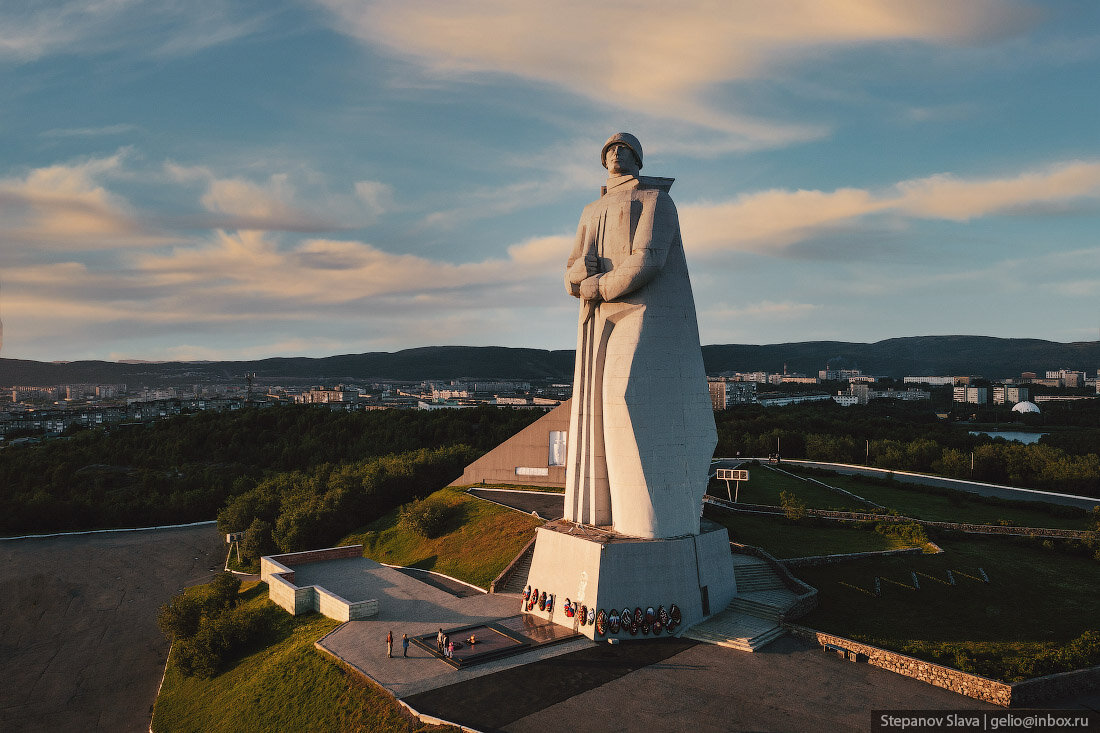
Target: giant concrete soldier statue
<point x="641" y="430"/>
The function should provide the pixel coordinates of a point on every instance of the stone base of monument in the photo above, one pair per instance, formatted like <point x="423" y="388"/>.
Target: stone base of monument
<point x="585" y="569"/>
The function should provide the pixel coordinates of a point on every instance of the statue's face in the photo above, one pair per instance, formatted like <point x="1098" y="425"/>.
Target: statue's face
<point x="620" y="160"/>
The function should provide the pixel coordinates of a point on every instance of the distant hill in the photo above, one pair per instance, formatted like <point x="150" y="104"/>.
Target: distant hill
<point x="914" y="356"/>
<point x="920" y="355"/>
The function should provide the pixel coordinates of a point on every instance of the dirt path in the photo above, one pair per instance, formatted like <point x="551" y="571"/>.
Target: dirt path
<point x="79" y="644"/>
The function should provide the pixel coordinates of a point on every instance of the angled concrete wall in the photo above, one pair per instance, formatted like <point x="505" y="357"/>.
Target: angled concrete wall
<point x="277" y="571"/>
<point x="529" y="448"/>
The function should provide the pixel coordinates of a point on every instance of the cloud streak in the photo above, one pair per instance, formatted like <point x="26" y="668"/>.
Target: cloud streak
<point x="656" y="59"/>
<point x="151" y="27"/>
<point x="774" y="220"/>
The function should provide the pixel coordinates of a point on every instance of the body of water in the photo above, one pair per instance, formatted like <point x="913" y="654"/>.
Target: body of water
<point x="1015" y="435"/>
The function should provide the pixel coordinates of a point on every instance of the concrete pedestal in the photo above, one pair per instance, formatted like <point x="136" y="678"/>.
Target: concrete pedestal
<point x="605" y="570"/>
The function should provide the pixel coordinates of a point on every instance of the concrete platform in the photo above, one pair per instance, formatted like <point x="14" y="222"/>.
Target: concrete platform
<point x="408" y="606"/>
<point x="678" y="685"/>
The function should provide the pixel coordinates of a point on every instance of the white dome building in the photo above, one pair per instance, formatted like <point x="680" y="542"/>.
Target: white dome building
<point x="1026" y="407"/>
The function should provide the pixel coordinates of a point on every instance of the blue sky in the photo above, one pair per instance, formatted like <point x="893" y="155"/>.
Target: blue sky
<point x="209" y="179"/>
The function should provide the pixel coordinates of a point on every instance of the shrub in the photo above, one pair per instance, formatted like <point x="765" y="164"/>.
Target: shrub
<point x="793" y="507"/>
<point x="221" y="639"/>
<point x="208" y="628"/>
<point x="427" y="518"/>
<point x="257" y="540"/>
<point x="221" y="593"/>
<point x="180" y="617"/>
<point x="911" y="532"/>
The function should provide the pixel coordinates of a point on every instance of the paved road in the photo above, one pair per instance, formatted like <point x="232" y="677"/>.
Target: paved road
<point x="79" y="645"/>
<point x="676" y="685"/>
<point x="973" y="487"/>
<point x="549" y="506"/>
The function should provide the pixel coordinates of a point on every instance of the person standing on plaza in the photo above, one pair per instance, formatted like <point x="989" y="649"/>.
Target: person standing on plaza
<point x="389" y="644"/>
<point x="404" y="645"/>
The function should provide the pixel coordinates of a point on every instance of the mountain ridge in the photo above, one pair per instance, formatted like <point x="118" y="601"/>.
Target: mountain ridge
<point x="986" y="356"/>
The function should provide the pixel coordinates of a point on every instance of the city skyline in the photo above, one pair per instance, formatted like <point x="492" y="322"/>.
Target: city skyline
<point x="228" y="181"/>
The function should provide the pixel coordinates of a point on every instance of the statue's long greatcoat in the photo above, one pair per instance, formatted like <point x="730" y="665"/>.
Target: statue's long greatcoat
<point x="641" y="430"/>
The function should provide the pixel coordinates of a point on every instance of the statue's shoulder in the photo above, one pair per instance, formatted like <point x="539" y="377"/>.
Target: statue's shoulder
<point x="655" y="183"/>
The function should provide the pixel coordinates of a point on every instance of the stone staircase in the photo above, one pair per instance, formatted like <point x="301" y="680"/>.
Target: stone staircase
<point x="752" y="619"/>
<point x="517" y="578"/>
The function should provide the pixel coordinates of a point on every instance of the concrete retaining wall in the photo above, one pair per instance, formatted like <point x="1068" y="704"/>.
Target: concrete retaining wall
<point x="1029" y="693"/>
<point x="277" y="571"/>
<point x="980" y="688"/>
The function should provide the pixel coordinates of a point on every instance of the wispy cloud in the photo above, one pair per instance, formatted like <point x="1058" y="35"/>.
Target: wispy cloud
<point x="145" y="27"/>
<point x="103" y="131"/>
<point x="68" y="207"/>
<point x="771" y="221"/>
<point x="281" y="202"/>
<point x="657" y="59"/>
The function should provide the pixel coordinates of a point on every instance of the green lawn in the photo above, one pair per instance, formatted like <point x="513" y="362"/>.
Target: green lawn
<point x="482" y="539"/>
<point x="783" y="538"/>
<point x="287" y="685"/>
<point x="764" y="486"/>
<point x="1016" y="626"/>
<point x="946" y="505"/>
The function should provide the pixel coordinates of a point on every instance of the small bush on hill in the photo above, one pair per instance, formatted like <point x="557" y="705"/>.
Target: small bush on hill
<point x="911" y="532"/>
<point x="793" y="507"/>
<point x="427" y="518"/>
<point x="208" y="629"/>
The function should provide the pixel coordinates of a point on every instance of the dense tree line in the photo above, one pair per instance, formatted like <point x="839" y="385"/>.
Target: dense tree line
<point x="185" y="468"/>
<point x="309" y="509"/>
<point x="909" y="437"/>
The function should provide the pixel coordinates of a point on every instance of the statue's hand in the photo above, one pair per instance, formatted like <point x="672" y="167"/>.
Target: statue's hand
<point x="590" y="288"/>
<point x="591" y="263"/>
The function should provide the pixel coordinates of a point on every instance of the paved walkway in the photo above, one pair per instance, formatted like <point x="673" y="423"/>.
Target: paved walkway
<point x="408" y="606"/>
<point x="676" y="685"/>
<point x="550" y="506"/>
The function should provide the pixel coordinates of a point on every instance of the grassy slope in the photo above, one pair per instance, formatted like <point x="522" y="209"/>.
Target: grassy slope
<point x="784" y="539"/>
<point x="764" y="486"/>
<point x="480" y="542"/>
<point x="287" y="685"/>
<point x="955" y="506"/>
<point x="1037" y="600"/>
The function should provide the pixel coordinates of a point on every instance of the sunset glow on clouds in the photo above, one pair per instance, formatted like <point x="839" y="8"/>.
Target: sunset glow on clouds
<point x="336" y="176"/>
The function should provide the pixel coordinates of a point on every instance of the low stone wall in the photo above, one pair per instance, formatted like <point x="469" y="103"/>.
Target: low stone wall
<point x="963" y="683"/>
<point x="283" y="593"/>
<point x="816" y="560"/>
<point x="1029" y="693"/>
<point x="277" y="572"/>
